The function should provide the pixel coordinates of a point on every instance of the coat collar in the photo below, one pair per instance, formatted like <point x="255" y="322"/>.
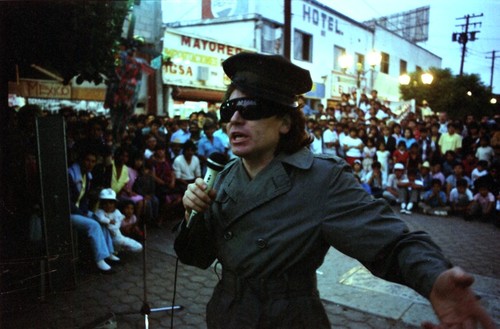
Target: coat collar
<point x="302" y="159"/>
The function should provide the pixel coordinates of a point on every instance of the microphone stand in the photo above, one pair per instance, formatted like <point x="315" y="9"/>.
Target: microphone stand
<point x="146" y="309"/>
<point x="215" y="163"/>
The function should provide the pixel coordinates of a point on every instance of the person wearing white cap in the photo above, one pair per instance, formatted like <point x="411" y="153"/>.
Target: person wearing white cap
<point x="391" y="192"/>
<point x="426" y="176"/>
<point x="426" y="111"/>
<point x="108" y="215"/>
<point x="409" y="191"/>
<point x="270" y="240"/>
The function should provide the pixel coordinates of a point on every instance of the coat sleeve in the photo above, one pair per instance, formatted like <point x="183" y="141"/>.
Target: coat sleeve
<point x="368" y="230"/>
<point x="195" y="245"/>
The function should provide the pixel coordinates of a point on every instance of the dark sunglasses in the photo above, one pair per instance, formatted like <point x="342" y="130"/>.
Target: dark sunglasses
<point x="250" y="109"/>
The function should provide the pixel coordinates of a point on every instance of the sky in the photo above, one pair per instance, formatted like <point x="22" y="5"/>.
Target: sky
<point x="442" y="23"/>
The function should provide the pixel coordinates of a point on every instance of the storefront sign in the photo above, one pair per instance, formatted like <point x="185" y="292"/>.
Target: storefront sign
<point x="192" y="61"/>
<point x="30" y="88"/>
<point x="342" y="83"/>
<point x="209" y="46"/>
<point x="43" y="89"/>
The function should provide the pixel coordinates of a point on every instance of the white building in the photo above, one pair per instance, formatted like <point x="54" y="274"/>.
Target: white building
<point x="319" y="37"/>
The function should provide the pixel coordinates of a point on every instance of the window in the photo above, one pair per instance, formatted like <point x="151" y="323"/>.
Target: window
<point x="418" y="68"/>
<point x="360" y="62"/>
<point x="384" y="64"/>
<point x="403" y="67"/>
<point x="272" y="39"/>
<point x="302" y="49"/>
<point x="337" y="53"/>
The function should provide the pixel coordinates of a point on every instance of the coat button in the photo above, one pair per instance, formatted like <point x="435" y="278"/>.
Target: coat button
<point x="228" y="235"/>
<point x="261" y="243"/>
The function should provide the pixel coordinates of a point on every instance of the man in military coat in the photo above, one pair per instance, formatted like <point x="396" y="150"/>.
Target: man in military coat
<point x="276" y="210"/>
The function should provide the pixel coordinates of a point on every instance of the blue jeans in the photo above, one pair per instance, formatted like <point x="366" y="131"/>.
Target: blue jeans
<point x="100" y="237"/>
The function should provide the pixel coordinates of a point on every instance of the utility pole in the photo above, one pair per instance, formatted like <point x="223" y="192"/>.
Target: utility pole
<point x="493" y="56"/>
<point x="287" y="29"/>
<point x="465" y="36"/>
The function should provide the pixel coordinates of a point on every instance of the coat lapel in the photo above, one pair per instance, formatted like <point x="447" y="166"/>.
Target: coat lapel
<point x="241" y="195"/>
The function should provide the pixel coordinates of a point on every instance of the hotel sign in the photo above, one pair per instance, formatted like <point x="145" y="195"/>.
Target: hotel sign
<point x="320" y="19"/>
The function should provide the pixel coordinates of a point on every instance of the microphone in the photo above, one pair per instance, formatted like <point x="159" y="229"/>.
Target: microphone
<point x="215" y="163"/>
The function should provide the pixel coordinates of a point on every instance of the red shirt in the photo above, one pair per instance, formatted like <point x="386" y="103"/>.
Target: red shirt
<point x="400" y="157"/>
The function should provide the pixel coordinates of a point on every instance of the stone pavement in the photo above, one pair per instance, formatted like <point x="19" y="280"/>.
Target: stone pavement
<point x="352" y="297"/>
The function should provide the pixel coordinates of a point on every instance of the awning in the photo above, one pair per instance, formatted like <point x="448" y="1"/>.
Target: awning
<point x="193" y="94"/>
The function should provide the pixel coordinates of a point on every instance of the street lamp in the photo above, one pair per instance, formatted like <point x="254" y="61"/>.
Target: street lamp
<point x="426" y="79"/>
<point x="346" y="61"/>
<point x="404" y="79"/>
<point x="374" y="58"/>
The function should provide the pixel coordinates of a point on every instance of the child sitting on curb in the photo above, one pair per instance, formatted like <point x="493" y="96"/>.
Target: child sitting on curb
<point x="130" y="224"/>
<point x="483" y="206"/>
<point x="112" y="218"/>
<point x="434" y="201"/>
<point x="409" y="191"/>
<point x="461" y="199"/>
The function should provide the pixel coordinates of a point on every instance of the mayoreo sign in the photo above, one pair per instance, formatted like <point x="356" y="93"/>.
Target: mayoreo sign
<point x="195" y="61"/>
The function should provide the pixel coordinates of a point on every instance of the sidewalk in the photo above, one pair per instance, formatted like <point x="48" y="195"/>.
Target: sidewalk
<point x="471" y="245"/>
<point x="352" y="297"/>
<point x="345" y="281"/>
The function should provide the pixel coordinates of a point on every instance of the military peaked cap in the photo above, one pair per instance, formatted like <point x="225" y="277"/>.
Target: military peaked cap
<point x="270" y="77"/>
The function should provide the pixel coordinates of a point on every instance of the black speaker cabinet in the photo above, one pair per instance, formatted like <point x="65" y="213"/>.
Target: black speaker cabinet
<point x="58" y="234"/>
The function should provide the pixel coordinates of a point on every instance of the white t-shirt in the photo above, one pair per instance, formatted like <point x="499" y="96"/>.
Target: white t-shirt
<point x="330" y="136"/>
<point x="186" y="171"/>
<point x="353" y="143"/>
<point x="392" y="180"/>
<point x="454" y="195"/>
<point x="417" y="181"/>
<point x="316" y="146"/>
<point x="485" y="153"/>
<point x="476" y="174"/>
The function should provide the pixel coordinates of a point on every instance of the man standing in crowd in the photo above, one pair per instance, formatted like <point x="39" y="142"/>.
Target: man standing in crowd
<point x="330" y="139"/>
<point x="450" y="140"/>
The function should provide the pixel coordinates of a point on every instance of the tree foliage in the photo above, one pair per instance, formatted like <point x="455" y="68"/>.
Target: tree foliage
<point x="456" y="95"/>
<point x="70" y="37"/>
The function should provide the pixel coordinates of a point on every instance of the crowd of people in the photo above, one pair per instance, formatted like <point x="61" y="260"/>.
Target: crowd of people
<point x="417" y="161"/>
<point x="119" y="186"/>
